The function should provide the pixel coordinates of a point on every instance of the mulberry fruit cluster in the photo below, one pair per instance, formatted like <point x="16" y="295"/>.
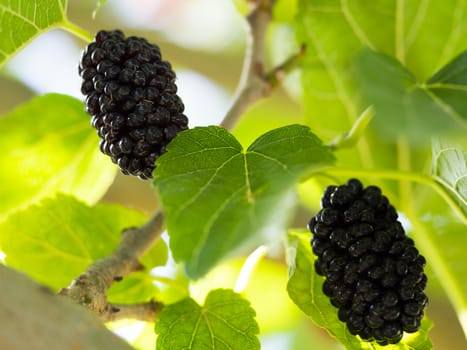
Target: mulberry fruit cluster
<point x="373" y="273"/>
<point x="132" y="98"/>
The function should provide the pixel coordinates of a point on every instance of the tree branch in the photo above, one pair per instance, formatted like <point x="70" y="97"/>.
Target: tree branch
<point x="142" y="312"/>
<point x="33" y="317"/>
<point x="90" y="288"/>
<point x="254" y="83"/>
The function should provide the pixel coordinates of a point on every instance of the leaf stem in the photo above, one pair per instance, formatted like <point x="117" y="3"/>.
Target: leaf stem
<point x="404" y="164"/>
<point x="248" y="268"/>
<point x="351" y="137"/>
<point x="76" y="30"/>
<point x="401" y="175"/>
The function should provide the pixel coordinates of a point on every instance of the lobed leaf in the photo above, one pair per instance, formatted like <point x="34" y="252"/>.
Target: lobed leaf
<point x="55" y="241"/>
<point x="225" y="321"/>
<point x="50" y="147"/>
<point x="449" y="87"/>
<point x="23" y="20"/>
<point x="404" y="105"/>
<point x="305" y="290"/>
<point x="221" y="200"/>
<point x="414" y="32"/>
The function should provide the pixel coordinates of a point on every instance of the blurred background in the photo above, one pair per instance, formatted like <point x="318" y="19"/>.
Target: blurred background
<point x="205" y="42"/>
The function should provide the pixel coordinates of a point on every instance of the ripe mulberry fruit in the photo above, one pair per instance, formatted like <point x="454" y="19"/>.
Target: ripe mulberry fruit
<point x="132" y="98"/>
<point x="373" y="273"/>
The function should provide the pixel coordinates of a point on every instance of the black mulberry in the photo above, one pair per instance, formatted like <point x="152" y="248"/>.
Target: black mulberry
<point x="131" y="95"/>
<point x="373" y="272"/>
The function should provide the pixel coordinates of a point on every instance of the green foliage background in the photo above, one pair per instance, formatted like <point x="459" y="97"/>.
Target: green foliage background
<point x="407" y="59"/>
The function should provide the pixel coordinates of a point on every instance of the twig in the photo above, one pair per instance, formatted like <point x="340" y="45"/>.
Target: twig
<point x="90" y="288"/>
<point x="254" y="82"/>
<point x="142" y="312"/>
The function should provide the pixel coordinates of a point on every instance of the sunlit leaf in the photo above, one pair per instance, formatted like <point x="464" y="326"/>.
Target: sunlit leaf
<point x="220" y="199"/>
<point x="335" y="30"/>
<point x="241" y="6"/>
<point x="48" y="146"/>
<point x="263" y="117"/>
<point x="305" y="289"/>
<point x="282" y="317"/>
<point x="450" y="169"/>
<point x="146" y="339"/>
<point x="137" y="287"/>
<point x="23" y="20"/>
<point x="55" y="241"/>
<point x="285" y="10"/>
<point x="225" y="321"/>
<point x="304" y="335"/>
<point x="449" y="237"/>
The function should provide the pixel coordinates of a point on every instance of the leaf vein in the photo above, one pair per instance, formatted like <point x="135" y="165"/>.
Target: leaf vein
<point x="358" y="31"/>
<point x="446" y="108"/>
<point x="340" y="90"/>
<point x="275" y="160"/>
<point x="195" y="330"/>
<point x="212" y="219"/>
<point x="416" y="23"/>
<point x="203" y="150"/>
<point x="203" y="188"/>
<point x="456" y="29"/>
<point x="227" y="323"/>
<point x="449" y="86"/>
<point x="20" y="16"/>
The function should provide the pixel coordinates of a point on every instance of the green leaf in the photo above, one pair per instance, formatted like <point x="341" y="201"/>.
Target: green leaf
<point x="156" y="256"/>
<point x="221" y="200"/>
<point x="424" y="35"/>
<point x="404" y="105"/>
<point x="283" y="316"/>
<point x="146" y="338"/>
<point x="284" y="10"/>
<point x="23" y="20"/>
<point x="137" y="287"/>
<point x="225" y="321"/>
<point x="450" y="170"/>
<point x="241" y="6"/>
<point x="50" y="148"/>
<point x="450" y="239"/>
<point x="55" y="241"/>
<point x="305" y="289"/>
<point x="449" y="87"/>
